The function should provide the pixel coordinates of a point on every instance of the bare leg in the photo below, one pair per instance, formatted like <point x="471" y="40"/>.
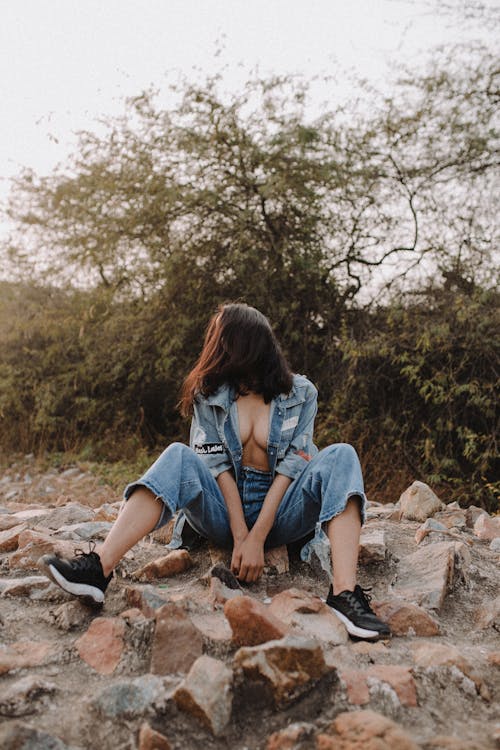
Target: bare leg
<point x="343" y="532"/>
<point x="137" y="518"/>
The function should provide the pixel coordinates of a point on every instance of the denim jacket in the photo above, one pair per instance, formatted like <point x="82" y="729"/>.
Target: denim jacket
<point x="215" y="435"/>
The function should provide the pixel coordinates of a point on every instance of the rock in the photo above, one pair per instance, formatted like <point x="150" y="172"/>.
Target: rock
<point x="252" y="622"/>
<point x="425" y="576"/>
<point x="23" y="654"/>
<point x="495" y="544"/>
<point x="453" y="517"/>
<point x="487" y="527"/>
<point x="129" y="699"/>
<point x="419" y="502"/>
<point x="488" y="616"/>
<point x="447" y="742"/>
<point x="177" y="643"/>
<point x="429" y="526"/>
<point x="206" y="693"/>
<point x="472" y="513"/>
<point x="372" y="546"/>
<point x="151" y="740"/>
<point x="399" y="678"/>
<point x="147" y="598"/>
<point x="9" y="539"/>
<point x="276" y="560"/>
<point x="12" y="587"/>
<point x="325" y="626"/>
<point x="432" y="654"/>
<point x="20" y="698"/>
<point x="106" y="512"/>
<point x="70" y="514"/>
<point x="219" y="593"/>
<point x="102" y="645"/>
<point x="288" y="668"/>
<point x="494" y="658"/>
<point x="292" y="737"/>
<point x="287" y="603"/>
<point x="33" y="544"/>
<point x="406" y="619"/>
<point x="213" y="627"/>
<point x="17" y="736"/>
<point x="70" y="615"/>
<point x="225" y="575"/>
<point x="85" y="531"/>
<point x="175" y="562"/>
<point x="364" y="730"/>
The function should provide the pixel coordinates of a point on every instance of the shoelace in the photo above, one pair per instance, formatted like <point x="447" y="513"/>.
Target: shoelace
<point x="360" y="600"/>
<point x="85" y="560"/>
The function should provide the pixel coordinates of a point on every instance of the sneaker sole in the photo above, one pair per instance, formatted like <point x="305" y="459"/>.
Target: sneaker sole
<point x="359" y="632"/>
<point x="78" y="589"/>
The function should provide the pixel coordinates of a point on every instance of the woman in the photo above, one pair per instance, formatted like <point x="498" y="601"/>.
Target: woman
<point x="252" y="476"/>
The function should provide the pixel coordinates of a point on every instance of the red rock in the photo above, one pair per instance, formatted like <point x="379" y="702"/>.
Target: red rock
<point x="286" y="603"/>
<point x="24" y="654"/>
<point x="290" y="738"/>
<point x="206" y="693"/>
<point x="219" y="593"/>
<point x="102" y="645"/>
<point x="487" y="527"/>
<point x="214" y="627"/>
<point x="175" y="562"/>
<point x="33" y="544"/>
<point x="177" y="643"/>
<point x="432" y="654"/>
<point x="277" y="560"/>
<point x="288" y="667"/>
<point x="9" y="539"/>
<point x="252" y="622"/>
<point x="403" y="618"/>
<point x="399" y="678"/>
<point x="364" y="730"/>
<point x="151" y="740"/>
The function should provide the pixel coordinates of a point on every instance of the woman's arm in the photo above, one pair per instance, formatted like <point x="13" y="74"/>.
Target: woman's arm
<point x="248" y="563"/>
<point x="237" y="522"/>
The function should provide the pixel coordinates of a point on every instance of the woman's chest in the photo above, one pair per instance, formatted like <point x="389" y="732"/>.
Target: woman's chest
<point x="253" y="420"/>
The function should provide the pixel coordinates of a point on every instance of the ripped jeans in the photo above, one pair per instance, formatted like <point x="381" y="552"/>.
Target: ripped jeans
<point x="181" y="481"/>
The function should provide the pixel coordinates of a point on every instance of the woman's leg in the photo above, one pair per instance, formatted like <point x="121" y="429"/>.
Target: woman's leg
<point x="343" y="533"/>
<point x="138" y="517"/>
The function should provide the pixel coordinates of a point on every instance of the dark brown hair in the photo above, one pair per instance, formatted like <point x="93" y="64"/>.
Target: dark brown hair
<point x="240" y="349"/>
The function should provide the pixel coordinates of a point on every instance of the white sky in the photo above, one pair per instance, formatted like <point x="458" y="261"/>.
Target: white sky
<point x="65" y="62"/>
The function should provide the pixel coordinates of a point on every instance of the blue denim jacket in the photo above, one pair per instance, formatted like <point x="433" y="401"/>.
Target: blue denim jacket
<point x="215" y="435"/>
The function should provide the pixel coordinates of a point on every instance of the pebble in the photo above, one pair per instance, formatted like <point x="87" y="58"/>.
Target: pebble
<point x="177" y="561"/>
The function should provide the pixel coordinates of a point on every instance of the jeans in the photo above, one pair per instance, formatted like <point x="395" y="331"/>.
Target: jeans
<point x="180" y="480"/>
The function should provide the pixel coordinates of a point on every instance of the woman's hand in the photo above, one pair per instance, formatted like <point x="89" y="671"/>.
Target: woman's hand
<point x="247" y="562"/>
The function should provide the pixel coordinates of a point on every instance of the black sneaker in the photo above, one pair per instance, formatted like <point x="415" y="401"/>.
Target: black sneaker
<point x="82" y="575"/>
<point x="353" y="608"/>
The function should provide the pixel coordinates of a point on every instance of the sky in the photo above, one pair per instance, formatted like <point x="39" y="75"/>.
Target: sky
<point x="65" y="63"/>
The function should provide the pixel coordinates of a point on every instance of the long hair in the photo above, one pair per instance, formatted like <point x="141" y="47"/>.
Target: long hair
<point x="241" y="350"/>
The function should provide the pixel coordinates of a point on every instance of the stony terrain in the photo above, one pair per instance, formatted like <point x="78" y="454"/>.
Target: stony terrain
<point x="178" y="659"/>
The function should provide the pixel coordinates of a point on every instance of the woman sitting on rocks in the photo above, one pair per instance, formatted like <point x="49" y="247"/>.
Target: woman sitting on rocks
<point x="252" y="477"/>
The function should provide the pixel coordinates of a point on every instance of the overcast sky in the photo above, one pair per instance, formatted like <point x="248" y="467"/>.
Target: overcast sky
<point x="65" y="62"/>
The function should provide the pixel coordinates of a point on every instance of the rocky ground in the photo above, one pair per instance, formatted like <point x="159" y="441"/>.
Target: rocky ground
<point x="178" y="659"/>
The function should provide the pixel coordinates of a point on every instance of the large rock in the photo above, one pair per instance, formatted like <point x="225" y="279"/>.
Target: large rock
<point x="9" y="539"/>
<point x="129" y="699"/>
<point x="425" y="576"/>
<point x="72" y="513"/>
<point x="405" y="619"/>
<point x="102" y="645"/>
<point x="432" y="654"/>
<point x="252" y="622"/>
<point x="175" y="562"/>
<point x="288" y="602"/>
<point x="206" y="693"/>
<point x="419" y="502"/>
<point x="488" y="615"/>
<point x="33" y="544"/>
<point x="399" y="678"/>
<point x="177" y="643"/>
<point x="364" y="730"/>
<point x="308" y="615"/>
<point x="288" y="667"/>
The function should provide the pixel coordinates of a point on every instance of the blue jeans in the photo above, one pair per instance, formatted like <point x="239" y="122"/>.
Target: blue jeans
<point x="180" y="480"/>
